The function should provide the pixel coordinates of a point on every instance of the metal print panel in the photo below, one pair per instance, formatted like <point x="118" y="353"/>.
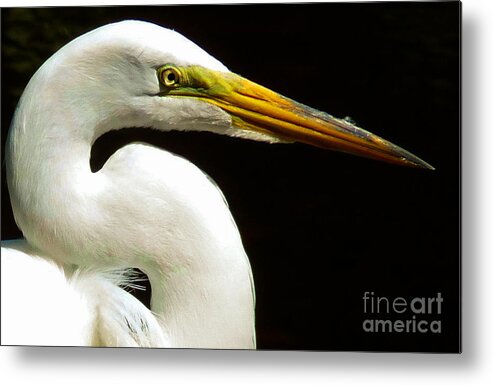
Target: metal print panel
<point x="345" y="252"/>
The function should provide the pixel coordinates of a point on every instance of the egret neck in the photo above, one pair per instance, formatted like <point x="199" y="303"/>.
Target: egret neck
<point x="173" y="223"/>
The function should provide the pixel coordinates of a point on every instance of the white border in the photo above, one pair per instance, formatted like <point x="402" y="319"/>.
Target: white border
<point x="474" y="366"/>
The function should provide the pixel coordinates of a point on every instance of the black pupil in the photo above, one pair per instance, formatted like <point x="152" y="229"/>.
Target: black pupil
<point x="171" y="77"/>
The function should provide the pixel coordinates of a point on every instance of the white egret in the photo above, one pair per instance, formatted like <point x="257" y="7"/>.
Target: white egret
<point x="146" y="208"/>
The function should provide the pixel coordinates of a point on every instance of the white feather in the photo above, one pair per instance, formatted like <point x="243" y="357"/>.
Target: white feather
<point x="145" y="208"/>
<point x="43" y="304"/>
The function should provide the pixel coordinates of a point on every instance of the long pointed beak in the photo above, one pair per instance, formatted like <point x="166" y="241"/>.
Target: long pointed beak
<point x="257" y="108"/>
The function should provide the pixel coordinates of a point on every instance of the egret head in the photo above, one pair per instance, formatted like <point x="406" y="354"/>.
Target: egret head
<point x="150" y="76"/>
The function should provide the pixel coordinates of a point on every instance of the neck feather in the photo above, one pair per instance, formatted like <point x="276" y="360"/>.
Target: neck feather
<point x="206" y="306"/>
<point x="190" y="249"/>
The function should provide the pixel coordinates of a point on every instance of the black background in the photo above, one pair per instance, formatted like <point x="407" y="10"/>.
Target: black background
<point x="320" y="228"/>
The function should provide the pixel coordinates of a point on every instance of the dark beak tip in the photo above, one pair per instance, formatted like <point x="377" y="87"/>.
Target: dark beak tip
<point x="418" y="163"/>
<point x="427" y="167"/>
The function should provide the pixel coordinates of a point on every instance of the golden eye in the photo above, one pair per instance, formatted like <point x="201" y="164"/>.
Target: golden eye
<point x="169" y="76"/>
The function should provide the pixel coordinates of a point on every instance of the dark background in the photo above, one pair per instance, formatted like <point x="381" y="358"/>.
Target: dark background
<point x="320" y="228"/>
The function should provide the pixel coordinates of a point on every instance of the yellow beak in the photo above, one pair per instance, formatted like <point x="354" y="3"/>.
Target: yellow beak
<point x="253" y="107"/>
